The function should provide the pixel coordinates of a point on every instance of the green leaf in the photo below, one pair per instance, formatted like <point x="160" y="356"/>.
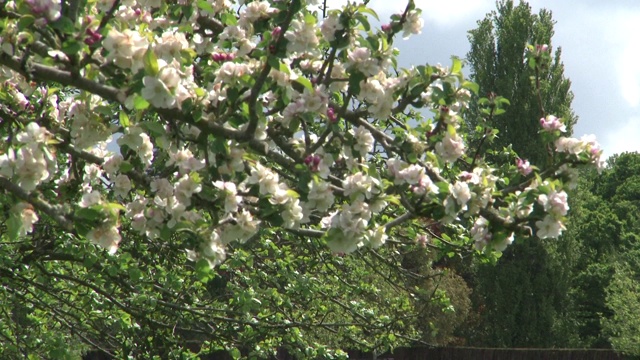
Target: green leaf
<point x="393" y="199"/>
<point x="229" y="19"/>
<point x="203" y="270"/>
<point x="204" y="5"/>
<point x="470" y="85"/>
<point x="25" y="21"/>
<point x="284" y="68"/>
<point x="274" y="62"/>
<point x="309" y="18"/>
<point x="72" y="47"/>
<point x="65" y="25"/>
<point x="364" y="21"/>
<point x="443" y="187"/>
<point x="154" y="128"/>
<point x="451" y="129"/>
<point x="151" y="62"/>
<point x="114" y="207"/>
<point x="14" y="224"/>
<point x="503" y="101"/>
<point x="373" y="41"/>
<point x="91" y="214"/>
<point x="135" y="274"/>
<point x="365" y="10"/>
<point x="125" y="167"/>
<point x="124" y="119"/>
<point x="305" y="82"/>
<point x="456" y="67"/>
<point x="89" y="261"/>
<point x="139" y="103"/>
<point x="235" y="353"/>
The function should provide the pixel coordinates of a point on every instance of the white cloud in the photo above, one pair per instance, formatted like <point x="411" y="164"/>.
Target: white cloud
<point x="628" y="72"/>
<point x="625" y="137"/>
<point x="441" y="13"/>
<point x="449" y="14"/>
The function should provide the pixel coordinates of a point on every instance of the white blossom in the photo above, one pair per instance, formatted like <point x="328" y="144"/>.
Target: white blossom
<point x="106" y="236"/>
<point x="330" y="25"/>
<point x="364" y="140"/>
<point x="126" y="48"/>
<point x="361" y="184"/>
<point x="556" y="203"/>
<point x="413" y="24"/>
<point x="122" y="185"/>
<point x="461" y="192"/>
<point x="27" y="215"/>
<point x="302" y="37"/>
<point x="231" y="198"/>
<point x="267" y="180"/>
<point x="451" y="147"/>
<point x="549" y="227"/>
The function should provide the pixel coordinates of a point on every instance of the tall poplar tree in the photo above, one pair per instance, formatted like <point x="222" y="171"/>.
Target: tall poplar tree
<point x="519" y="300"/>
<point x="498" y="64"/>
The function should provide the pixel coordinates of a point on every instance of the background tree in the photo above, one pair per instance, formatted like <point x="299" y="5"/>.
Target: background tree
<point x="603" y="290"/>
<point x="521" y="298"/>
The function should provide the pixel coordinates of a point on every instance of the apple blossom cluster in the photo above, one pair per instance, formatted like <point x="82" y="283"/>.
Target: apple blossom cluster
<point x="586" y="145"/>
<point x="552" y="123"/>
<point x="46" y="9"/>
<point x="231" y="120"/>
<point x="483" y="238"/>
<point x="31" y="162"/>
<point x="556" y="205"/>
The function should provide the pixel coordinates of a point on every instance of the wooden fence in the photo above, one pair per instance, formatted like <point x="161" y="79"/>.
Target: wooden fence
<point x="449" y="353"/>
<point x="469" y="353"/>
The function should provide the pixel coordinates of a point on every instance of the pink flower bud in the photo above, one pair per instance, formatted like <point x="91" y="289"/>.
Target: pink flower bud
<point x="275" y="33"/>
<point x="312" y="161"/>
<point x="523" y="166"/>
<point x="552" y="123"/>
<point x="542" y="48"/>
<point x="331" y="114"/>
<point x="95" y="36"/>
<point x="308" y="159"/>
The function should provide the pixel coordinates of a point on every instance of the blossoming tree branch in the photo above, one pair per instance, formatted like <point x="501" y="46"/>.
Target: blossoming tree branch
<point x="233" y="120"/>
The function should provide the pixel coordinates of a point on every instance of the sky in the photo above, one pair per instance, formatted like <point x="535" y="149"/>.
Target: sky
<point x="600" y="43"/>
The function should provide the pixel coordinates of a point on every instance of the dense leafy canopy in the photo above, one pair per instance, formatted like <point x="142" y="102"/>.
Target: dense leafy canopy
<point x="226" y="157"/>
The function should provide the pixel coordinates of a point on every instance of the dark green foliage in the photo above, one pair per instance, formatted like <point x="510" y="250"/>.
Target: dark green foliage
<point x="151" y="301"/>
<point x="604" y="292"/>
<point x="515" y="299"/>
<point x="520" y="300"/>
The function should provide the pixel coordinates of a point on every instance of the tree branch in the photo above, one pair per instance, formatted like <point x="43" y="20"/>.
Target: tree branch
<point x="54" y="212"/>
<point x="48" y="73"/>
